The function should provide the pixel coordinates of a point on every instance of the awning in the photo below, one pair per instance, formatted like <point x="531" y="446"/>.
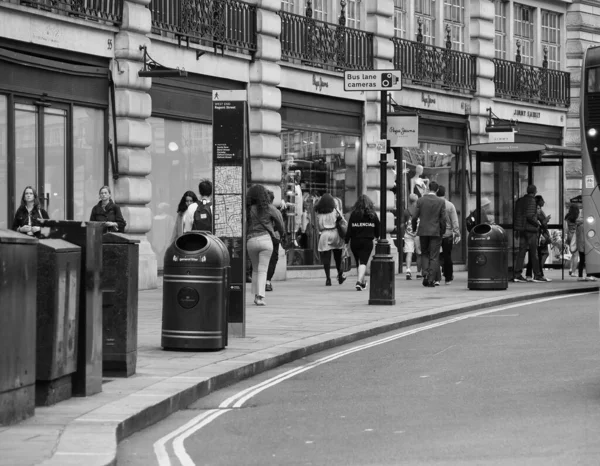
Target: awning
<point x="547" y="151"/>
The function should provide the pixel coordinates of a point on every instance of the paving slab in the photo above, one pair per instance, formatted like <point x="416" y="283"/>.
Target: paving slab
<point x="302" y="317"/>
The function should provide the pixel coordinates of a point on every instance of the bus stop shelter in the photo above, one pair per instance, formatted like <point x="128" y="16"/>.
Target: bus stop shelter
<point x="502" y="173"/>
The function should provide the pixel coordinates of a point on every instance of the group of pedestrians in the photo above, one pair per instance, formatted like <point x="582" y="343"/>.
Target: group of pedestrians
<point x="431" y="225"/>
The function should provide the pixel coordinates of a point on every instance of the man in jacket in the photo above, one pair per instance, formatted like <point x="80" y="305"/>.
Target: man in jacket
<point x="526" y="226"/>
<point x="450" y="237"/>
<point x="430" y="213"/>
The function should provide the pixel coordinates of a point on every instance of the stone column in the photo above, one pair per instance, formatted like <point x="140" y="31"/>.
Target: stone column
<point x="379" y="22"/>
<point x="133" y="105"/>
<point x="265" y="99"/>
<point x="581" y="18"/>
<point x="482" y="45"/>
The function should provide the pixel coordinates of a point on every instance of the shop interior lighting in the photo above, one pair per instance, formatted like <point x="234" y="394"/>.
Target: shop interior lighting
<point x="592" y="132"/>
<point x="173" y="146"/>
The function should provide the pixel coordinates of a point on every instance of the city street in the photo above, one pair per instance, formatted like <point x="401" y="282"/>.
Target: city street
<point x="516" y="384"/>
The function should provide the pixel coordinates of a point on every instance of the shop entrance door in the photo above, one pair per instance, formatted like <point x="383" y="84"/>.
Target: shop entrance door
<point x="40" y="135"/>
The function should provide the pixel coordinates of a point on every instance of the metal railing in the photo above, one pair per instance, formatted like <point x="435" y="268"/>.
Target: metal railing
<point x="325" y="45"/>
<point x="514" y="80"/>
<point x="220" y="23"/>
<point x="109" y="11"/>
<point x="435" y="66"/>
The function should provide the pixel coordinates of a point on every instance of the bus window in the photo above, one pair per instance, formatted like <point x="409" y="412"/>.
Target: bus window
<point x="593" y="80"/>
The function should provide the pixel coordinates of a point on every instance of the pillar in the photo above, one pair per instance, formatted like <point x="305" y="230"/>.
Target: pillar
<point x="133" y="105"/>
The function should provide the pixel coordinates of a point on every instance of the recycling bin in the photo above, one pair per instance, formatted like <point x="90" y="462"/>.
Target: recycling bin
<point x="58" y="278"/>
<point x="87" y="380"/>
<point x="120" y="262"/>
<point x="196" y="278"/>
<point x="487" y="265"/>
<point x="18" y="279"/>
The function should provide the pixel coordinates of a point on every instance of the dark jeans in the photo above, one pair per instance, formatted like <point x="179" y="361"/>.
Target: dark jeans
<point x="447" y="265"/>
<point x="581" y="264"/>
<point x="326" y="260"/>
<point x="430" y="257"/>
<point x="274" y="259"/>
<point x="528" y="241"/>
<point x="542" y="256"/>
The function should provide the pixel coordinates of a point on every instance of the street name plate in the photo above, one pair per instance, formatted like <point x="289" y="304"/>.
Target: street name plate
<point x="376" y="80"/>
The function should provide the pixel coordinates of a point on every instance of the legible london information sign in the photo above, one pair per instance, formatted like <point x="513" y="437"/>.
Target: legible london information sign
<point x="229" y="154"/>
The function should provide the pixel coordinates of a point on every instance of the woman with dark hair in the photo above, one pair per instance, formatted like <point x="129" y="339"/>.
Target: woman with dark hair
<point x="30" y="216"/>
<point x="329" y="239"/>
<point x="263" y="221"/>
<point x="189" y="197"/>
<point x="572" y="219"/>
<point x="276" y="238"/>
<point x="108" y="212"/>
<point x="363" y="228"/>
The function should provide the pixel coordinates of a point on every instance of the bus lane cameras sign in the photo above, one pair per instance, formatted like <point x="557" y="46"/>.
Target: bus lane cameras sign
<point x="376" y="80"/>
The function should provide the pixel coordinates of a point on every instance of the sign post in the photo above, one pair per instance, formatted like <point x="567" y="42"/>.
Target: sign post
<point x="382" y="289"/>
<point x="229" y="191"/>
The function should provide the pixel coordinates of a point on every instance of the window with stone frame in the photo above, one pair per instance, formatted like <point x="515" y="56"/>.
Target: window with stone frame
<point x="287" y="5"/>
<point x="524" y="27"/>
<point x="551" y="37"/>
<point x="500" y="28"/>
<point x="425" y="13"/>
<point x="454" y="17"/>
<point x="400" y="18"/>
<point x="321" y="10"/>
<point x="354" y="13"/>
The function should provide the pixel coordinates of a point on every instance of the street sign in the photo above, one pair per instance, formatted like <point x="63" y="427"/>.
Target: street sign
<point x="381" y="145"/>
<point x="403" y="131"/>
<point x="376" y="80"/>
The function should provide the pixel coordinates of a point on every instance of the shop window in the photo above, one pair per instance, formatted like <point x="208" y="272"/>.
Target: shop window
<point x="551" y="37"/>
<point x="88" y="159"/>
<point x="524" y="32"/>
<point x="500" y="27"/>
<point x="400" y="18"/>
<point x="181" y="156"/>
<point x="313" y="163"/>
<point x="4" y="221"/>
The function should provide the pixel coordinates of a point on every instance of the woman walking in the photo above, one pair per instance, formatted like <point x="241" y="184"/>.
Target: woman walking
<point x="572" y="218"/>
<point x="108" y="212"/>
<point x="263" y="221"/>
<point x="189" y="197"/>
<point x="276" y="238"/>
<point x="363" y="228"/>
<point x="330" y="239"/>
<point x="30" y="216"/>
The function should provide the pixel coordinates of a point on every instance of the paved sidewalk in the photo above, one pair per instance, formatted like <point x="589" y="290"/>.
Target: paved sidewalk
<point x="302" y="316"/>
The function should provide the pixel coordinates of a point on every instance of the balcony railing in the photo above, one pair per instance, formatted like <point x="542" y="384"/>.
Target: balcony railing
<point x="435" y="66"/>
<point x="325" y="45"/>
<point x="223" y="24"/>
<point x="514" y="80"/>
<point x="108" y="11"/>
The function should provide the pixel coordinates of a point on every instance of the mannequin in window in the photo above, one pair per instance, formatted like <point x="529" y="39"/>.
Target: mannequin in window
<point x="418" y="185"/>
<point x="298" y="199"/>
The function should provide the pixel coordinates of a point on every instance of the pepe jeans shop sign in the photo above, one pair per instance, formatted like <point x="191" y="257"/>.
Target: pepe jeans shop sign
<point x="403" y="131"/>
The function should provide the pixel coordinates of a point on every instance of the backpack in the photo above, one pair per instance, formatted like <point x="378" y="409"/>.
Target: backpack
<point x="203" y="218"/>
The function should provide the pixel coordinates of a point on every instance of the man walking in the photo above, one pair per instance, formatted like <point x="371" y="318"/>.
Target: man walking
<point x="526" y="226"/>
<point x="430" y="213"/>
<point x="411" y="240"/>
<point x="450" y="237"/>
<point x="198" y="216"/>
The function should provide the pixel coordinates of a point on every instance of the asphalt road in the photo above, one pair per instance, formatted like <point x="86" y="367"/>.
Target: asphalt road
<point x="515" y="386"/>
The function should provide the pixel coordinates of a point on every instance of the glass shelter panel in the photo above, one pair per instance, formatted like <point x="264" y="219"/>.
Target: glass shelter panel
<point x="26" y="149"/>
<point x="55" y="156"/>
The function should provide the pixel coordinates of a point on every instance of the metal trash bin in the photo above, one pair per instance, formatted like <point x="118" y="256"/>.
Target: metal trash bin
<point x="18" y="278"/>
<point x="196" y="278"/>
<point x="487" y="264"/>
<point x="59" y="275"/>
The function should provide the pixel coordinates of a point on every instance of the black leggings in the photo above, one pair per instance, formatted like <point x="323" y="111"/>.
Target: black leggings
<point x="581" y="264"/>
<point x="326" y="260"/>
<point x="361" y="249"/>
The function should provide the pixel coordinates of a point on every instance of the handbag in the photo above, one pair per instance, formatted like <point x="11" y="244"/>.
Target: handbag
<point x="341" y="225"/>
<point x="346" y="260"/>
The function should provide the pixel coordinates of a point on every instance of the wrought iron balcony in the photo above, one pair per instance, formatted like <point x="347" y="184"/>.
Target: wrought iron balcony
<point x="514" y="80"/>
<point x="222" y="24"/>
<point x="109" y="11"/>
<point x="325" y="45"/>
<point x="434" y="66"/>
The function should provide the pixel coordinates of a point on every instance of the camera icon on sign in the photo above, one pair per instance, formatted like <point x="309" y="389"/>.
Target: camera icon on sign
<point x="389" y="80"/>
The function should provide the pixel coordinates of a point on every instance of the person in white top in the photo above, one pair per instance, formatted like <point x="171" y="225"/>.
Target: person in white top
<point x="418" y="185"/>
<point x="205" y="189"/>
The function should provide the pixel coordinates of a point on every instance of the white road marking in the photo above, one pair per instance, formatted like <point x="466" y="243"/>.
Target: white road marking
<point x="236" y="401"/>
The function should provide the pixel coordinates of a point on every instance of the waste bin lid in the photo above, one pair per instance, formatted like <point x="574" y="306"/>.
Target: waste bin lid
<point x="59" y="245"/>
<point x="120" y="238"/>
<point x="9" y="236"/>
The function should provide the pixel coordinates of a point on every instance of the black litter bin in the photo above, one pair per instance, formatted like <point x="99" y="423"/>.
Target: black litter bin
<point x="487" y="258"/>
<point x="18" y="290"/>
<point x="195" y="293"/>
